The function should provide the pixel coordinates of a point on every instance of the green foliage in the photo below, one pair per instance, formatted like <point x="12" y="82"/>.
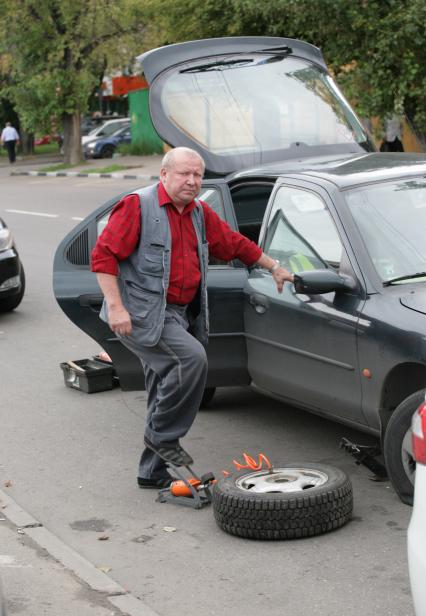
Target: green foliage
<point x="59" y="50"/>
<point x="139" y="149"/>
<point x="47" y="148"/>
<point x="374" y="47"/>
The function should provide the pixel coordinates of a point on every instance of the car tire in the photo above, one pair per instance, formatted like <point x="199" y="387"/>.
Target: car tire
<point x="10" y="303"/>
<point x="293" y="501"/>
<point x="207" y="397"/>
<point x="399" y="460"/>
<point x="107" y="152"/>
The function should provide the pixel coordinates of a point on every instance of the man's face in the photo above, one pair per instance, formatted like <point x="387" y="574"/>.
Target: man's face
<point x="182" y="180"/>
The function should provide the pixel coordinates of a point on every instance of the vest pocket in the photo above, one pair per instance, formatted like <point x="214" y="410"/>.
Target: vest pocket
<point x="152" y="264"/>
<point x="145" y="292"/>
<point x="142" y="304"/>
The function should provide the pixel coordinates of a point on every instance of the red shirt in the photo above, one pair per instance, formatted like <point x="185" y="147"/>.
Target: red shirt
<point x="121" y="236"/>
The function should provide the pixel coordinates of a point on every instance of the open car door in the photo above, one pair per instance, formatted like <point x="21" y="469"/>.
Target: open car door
<point x="78" y="294"/>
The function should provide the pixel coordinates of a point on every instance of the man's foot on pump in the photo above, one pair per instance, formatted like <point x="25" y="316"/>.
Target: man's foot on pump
<point x="172" y="453"/>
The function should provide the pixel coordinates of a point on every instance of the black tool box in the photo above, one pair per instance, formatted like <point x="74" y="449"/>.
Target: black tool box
<point x="89" y="375"/>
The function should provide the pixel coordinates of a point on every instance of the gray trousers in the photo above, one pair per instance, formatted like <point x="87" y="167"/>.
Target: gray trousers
<point x="175" y="377"/>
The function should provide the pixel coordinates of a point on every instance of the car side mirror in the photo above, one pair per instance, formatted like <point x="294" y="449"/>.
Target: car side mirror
<point x="322" y="281"/>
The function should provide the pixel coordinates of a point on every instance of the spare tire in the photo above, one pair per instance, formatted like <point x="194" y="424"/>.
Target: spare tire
<point x="288" y="502"/>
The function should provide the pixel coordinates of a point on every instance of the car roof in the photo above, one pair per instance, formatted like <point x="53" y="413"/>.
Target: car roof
<point x="109" y="122"/>
<point x="343" y="170"/>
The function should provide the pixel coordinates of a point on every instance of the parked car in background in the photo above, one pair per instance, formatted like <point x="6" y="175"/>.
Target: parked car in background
<point x="12" y="277"/>
<point x="290" y="166"/>
<point x="106" y="129"/>
<point x="417" y="527"/>
<point x="88" y="123"/>
<point x="104" y="147"/>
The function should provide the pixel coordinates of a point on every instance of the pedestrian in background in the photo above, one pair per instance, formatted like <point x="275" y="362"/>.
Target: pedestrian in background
<point x="10" y="139"/>
<point x="392" y="141"/>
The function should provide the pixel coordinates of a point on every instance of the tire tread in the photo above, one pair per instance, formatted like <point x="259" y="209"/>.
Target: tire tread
<point x="282" y="516"/>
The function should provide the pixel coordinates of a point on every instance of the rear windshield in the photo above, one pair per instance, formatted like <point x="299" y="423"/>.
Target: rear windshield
<point x="258" y="103"/>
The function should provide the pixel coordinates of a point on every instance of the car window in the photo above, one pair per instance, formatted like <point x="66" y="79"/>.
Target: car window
<point x="102" y="222"/>
<point x="213" y="198"/>
<point x="110" y="129"/>
<point x="391" y="217"/>
<point x="301" y="233"/>
<point x="107" y="129"/>
<point x="223" y="107"/>
<point x="94" y="131"/>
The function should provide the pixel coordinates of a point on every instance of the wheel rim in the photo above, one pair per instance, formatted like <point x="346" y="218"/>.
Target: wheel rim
<point x="282" y="480"/>
<point x="408" y="461"/>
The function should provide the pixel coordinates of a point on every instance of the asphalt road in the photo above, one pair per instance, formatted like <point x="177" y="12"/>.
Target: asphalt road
<point x="70" y="460"/>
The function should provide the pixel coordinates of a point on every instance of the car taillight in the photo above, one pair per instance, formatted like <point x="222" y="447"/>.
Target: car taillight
<point x="419" y="434"/>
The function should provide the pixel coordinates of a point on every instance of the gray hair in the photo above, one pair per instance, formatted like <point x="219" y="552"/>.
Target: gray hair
<point x="169" y="158"/>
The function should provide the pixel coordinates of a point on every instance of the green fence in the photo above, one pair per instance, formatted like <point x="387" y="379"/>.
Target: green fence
<point x="144" y="137"/>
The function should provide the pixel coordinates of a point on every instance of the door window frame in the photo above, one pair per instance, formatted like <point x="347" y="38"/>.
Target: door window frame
<point x="349" y="262"/>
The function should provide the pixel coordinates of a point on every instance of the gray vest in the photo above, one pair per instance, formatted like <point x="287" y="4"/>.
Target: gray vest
<point x="144" y="276"/>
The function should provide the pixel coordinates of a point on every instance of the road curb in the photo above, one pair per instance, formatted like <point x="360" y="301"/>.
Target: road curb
<point x="84" y="570"/>
<point x="78" y="174"/>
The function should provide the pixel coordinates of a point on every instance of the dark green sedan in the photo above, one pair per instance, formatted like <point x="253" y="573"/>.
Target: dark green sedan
<point x="290" y="166"/>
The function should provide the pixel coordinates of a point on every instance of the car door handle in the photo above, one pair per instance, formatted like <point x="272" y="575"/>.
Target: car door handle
<point x="259" y="302"/>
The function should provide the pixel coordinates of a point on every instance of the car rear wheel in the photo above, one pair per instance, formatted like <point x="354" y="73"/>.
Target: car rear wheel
<point x="10" y="303"/>
<point x="290" y="501"/>
<point x="397" y="447"/>
<point x="107" y="151"/>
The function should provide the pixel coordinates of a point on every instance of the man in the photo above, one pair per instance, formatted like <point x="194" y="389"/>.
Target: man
<point x="10" y="138"/>
<point x="151" y="262"/>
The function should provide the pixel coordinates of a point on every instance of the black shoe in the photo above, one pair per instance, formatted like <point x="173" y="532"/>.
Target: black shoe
<point x="171" y="453"/>
<point x="163" y="482"/>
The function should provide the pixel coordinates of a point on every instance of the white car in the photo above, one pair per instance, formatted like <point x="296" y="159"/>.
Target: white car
<point x="417" y="527"/>
<point x="106" y="129"/>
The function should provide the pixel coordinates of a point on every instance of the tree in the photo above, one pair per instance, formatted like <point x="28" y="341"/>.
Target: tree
<point x="60" y="50"/>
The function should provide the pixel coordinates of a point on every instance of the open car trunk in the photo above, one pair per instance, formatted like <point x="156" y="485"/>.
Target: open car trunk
<point x="246" y="101"/>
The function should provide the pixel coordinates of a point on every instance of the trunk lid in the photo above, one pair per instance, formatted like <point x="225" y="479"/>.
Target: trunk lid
<point x="245" y="101"/>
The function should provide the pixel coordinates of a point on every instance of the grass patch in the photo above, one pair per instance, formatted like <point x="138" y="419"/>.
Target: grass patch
<point x="138" y="149"/>
<point x="65" y="166"/>
<point x="109" y="169"/>
<point x="47" y="148"/>
<point x="62" y="166"/>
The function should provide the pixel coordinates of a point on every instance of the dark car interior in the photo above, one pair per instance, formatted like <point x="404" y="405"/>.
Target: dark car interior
<point x="250" y="201"/>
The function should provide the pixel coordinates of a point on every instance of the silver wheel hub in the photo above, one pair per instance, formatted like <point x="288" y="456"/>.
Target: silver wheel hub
<point x="407" y="458"/>
<point x="282" y="480"/>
